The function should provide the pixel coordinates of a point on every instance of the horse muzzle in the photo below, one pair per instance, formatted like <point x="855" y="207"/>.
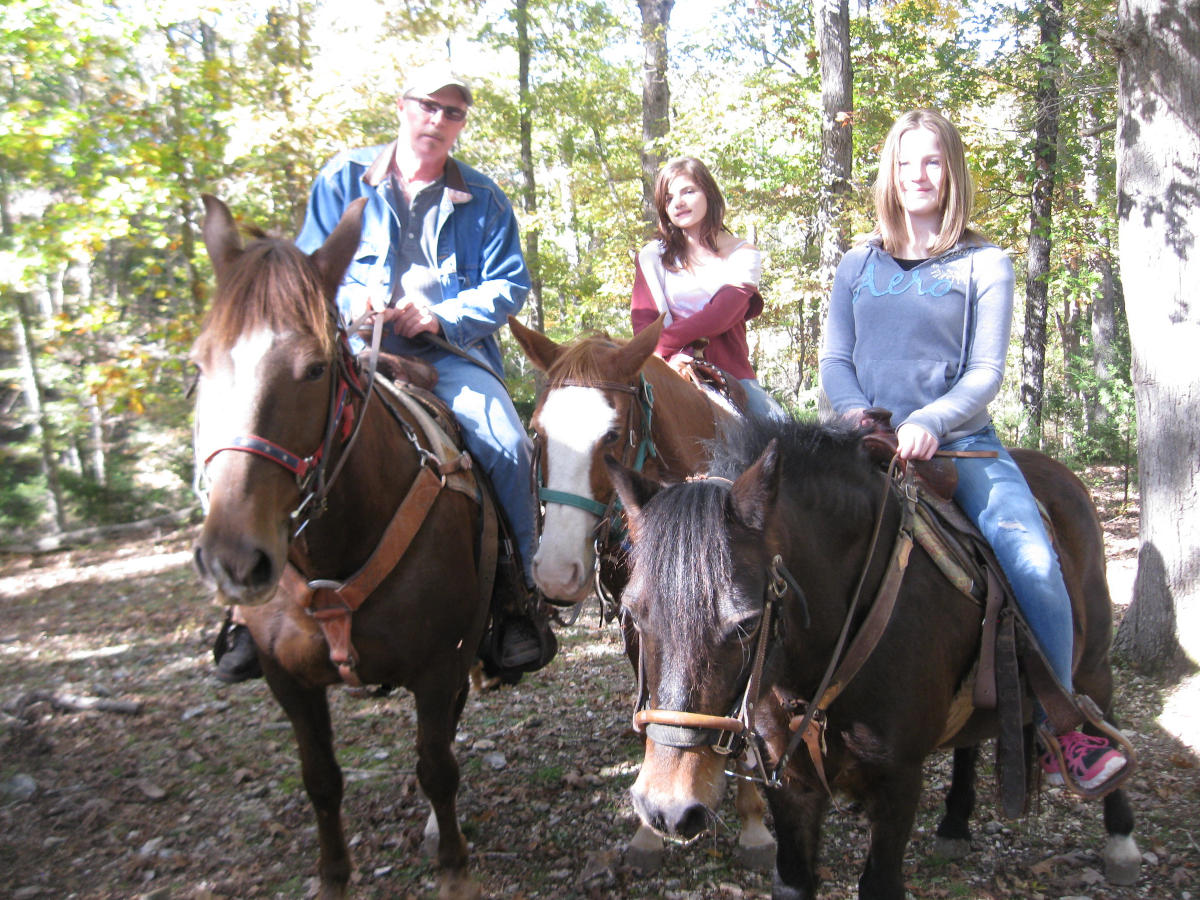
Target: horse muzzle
<point x="677" y="791"/>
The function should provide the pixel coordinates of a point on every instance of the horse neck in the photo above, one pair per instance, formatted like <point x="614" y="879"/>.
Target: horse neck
<point x="363" y="497"/>
<point x="683" y="419"/>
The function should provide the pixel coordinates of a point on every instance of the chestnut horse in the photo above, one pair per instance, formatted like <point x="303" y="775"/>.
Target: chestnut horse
<point x="609" y="397"/>
<point x="276" y="384"/>
<point x="735" y="654"/>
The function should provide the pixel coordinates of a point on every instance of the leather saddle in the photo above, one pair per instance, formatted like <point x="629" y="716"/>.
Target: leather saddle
<point x="709" y="377"/>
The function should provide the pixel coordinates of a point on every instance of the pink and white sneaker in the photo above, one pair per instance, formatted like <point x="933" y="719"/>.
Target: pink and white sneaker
<point x="1091" y="761"/>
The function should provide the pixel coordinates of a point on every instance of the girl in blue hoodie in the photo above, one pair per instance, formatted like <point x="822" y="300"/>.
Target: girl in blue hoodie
<point x="918" y="323"/>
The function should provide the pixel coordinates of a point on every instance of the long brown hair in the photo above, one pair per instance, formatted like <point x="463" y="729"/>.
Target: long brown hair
<point x="673" y="239"/>
<point x="955" y="197"/>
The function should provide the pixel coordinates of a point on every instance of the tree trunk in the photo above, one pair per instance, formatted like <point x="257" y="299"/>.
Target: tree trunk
<point x="656" y="95"/>
<point x="26" y="352"/>
<point x="1045" y="160"/>
<point x="1158" y="156"/>
<point x="837" y="105"/>
<point x="529" y="188"/>
<point x="1104" y="300"/>
<point x="837" y="145"/>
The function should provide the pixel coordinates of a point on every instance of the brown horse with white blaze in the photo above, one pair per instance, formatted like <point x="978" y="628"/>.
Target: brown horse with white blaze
<point x="294" y="439"/>
<point x="602" y="397"/>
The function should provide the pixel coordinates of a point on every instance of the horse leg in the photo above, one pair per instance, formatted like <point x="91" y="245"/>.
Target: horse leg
<point x="437" y="772"/>
<point x="953" y="839"/>
<point x="798" y="809"/>
<point x="891" y="804"/>
<point x="644" y="852"/>
<point x="308" y="711"/>
<point x="756" y="846"/>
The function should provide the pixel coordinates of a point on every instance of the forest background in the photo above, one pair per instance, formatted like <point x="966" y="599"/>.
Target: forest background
<point x="118" y="115"/>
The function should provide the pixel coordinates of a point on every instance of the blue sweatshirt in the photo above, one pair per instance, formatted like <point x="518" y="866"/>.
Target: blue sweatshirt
<point x="928" y="343"/>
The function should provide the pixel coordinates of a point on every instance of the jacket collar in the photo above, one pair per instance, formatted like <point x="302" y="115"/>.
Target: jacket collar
<point x="456" y="185"/>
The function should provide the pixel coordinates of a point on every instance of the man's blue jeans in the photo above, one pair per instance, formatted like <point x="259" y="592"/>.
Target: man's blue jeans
<point x="994" y="495"/>
<point x="496" y="440"/>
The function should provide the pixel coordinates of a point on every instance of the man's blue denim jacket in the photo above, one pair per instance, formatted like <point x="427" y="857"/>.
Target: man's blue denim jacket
<point x="481" y="269"/>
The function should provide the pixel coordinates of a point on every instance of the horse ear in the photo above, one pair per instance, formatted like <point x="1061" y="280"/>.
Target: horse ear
<point x="634" y="489"/>
<point x="220" y="235"/>
<point x="634" y="354"/>
<point x="753" y="495"/>
<point x="542" y="351"/>
<point x="333" y="257"/>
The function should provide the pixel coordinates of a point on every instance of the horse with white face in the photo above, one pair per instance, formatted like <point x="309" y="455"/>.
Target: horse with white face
<point x="611" y="398"/>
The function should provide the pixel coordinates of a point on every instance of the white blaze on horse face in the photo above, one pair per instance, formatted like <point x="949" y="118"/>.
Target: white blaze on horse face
<point x="229" y="398"/>
<point x="573" y="420"/>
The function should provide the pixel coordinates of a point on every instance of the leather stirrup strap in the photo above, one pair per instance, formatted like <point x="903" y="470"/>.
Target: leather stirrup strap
<point x="1010" y="742"/>
<point x="985" y="678"/>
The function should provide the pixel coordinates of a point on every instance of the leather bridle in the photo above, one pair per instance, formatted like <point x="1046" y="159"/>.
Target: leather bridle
<point x="733" y="736"/>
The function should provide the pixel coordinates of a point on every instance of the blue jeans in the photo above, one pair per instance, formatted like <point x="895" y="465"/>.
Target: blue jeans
<point x="496" y="440"/>
<point x="759" y="402"/>
<point x="994" y="495"/>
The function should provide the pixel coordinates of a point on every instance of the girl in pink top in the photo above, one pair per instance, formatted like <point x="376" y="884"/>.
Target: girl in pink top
<point x="703" y="277"/>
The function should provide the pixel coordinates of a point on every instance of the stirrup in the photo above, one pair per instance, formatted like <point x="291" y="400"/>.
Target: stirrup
<point x="1092" y="713"/>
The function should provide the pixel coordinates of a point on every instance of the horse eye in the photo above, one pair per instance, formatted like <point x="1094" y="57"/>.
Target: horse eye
<point x="314" y="371"/>
<point x="610" y="437"/>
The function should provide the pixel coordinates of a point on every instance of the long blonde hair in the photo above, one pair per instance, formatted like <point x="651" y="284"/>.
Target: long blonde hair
<point x="955" y="197"/>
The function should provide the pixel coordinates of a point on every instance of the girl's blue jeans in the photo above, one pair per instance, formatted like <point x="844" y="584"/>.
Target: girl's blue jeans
<point x="994" y="495"/>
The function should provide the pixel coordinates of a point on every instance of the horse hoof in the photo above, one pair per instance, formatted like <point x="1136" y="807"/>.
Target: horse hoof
<point x="643" y="860"/>
<point x="1122" y="860"/>
<point x="951" y="848"/>
<point x="759" y="858"/>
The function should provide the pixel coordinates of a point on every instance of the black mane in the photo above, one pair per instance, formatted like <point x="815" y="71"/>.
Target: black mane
<point x="684" y="535"/>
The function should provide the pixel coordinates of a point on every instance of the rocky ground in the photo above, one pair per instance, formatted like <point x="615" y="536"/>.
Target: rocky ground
<point x="126" y="771"/>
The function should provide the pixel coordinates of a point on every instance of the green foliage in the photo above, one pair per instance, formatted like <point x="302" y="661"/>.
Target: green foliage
<point x="117" y="116"/>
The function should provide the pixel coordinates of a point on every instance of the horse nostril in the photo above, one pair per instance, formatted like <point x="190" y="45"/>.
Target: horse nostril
<point x="693" y="821"/>
<point x="262" y="572"/>
<point x="198" y="562"/>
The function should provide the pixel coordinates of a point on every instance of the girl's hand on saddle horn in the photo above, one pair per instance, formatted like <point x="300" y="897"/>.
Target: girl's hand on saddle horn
<point x="680" y="363"/>
<point x="914" y="442"/>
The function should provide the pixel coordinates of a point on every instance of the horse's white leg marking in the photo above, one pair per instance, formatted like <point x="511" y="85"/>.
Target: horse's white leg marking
<point x="573" y="420"/>
<point x="1122" y="859"/>
<point x="645" y="851"/>
<point x="756" y="845"/>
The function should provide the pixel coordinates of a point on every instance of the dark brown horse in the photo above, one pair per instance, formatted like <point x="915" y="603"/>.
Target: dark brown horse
<point x="616" y="397"/>
<point x="734" y="653"/>
<point x="290" y="445"/>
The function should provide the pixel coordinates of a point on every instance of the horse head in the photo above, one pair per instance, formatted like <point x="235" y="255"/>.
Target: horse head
<point x="697" y="596"/>
<point x="267" y="361"/>
<point x="591" y="406"/>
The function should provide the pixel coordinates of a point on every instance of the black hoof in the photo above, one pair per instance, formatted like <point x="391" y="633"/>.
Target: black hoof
<point x="236" y="655"/>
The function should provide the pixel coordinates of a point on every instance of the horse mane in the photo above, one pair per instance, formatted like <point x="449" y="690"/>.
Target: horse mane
<point x="823" y="465"/>
<point x="823" y="468"/>
<point x="687" y="523"/>
<point x="271" y="284"/>
<point x="585" y="360"/>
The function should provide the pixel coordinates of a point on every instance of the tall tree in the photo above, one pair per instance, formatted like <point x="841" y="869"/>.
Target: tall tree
<point x="529" y="200"/>
<point x="1041" y="215"/>
<point x="837" y="144"/>
<point x="1158" y="168"/>
<point x="656" y="94"/>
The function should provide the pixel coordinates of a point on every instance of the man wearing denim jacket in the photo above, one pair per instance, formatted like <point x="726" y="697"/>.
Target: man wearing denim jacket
<point x="440" y="255"/>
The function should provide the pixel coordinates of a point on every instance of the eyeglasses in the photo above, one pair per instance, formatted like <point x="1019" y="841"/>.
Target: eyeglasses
<point x="432" y="108"/>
